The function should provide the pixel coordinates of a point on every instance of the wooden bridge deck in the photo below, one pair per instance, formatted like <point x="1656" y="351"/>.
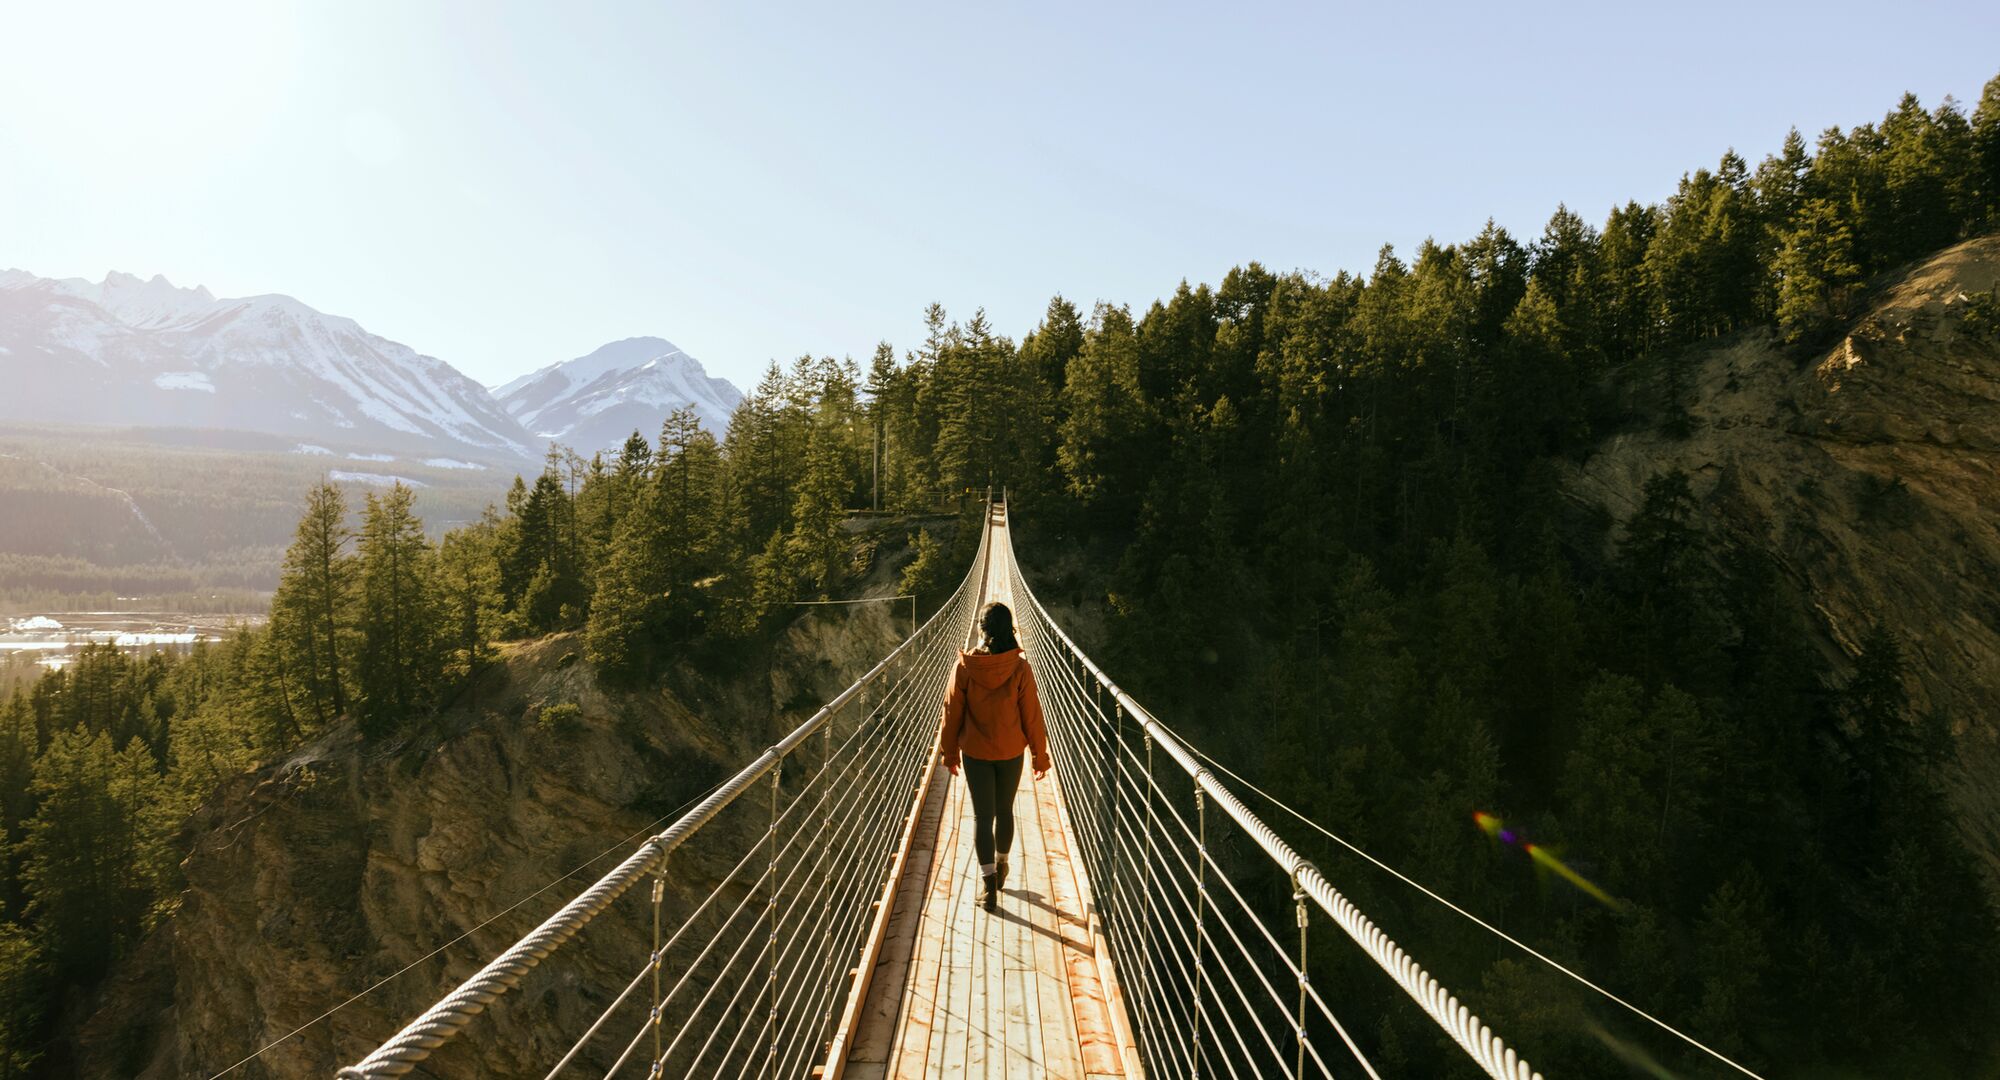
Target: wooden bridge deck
<point x="1024" y="992"/>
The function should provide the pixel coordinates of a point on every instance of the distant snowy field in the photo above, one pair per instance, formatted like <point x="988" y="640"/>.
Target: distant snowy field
<point x="184" y="380"/>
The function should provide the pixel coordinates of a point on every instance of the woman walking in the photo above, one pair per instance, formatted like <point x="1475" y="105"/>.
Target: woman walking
<point x="990" y="716"/>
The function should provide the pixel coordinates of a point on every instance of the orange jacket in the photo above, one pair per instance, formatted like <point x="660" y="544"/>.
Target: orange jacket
<point x="993" y="711"/>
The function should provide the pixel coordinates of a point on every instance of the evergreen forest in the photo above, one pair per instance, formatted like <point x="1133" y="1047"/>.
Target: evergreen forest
<point x="1322" y="522"/>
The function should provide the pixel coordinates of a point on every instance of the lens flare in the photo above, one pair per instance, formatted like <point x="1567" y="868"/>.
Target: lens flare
<point x="1630" y="1053"/>
<point x="1543" y="858"/>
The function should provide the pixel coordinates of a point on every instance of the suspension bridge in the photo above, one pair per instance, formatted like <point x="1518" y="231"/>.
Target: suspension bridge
<point x="834" y="930"/>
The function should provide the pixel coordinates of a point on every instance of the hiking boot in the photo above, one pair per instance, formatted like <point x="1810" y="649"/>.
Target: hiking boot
<point x="1000" y="876"/>
<point x="991" y="901"/>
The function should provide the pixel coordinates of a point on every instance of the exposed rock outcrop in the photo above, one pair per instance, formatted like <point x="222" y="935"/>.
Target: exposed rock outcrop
<point x="1872" y="474"/>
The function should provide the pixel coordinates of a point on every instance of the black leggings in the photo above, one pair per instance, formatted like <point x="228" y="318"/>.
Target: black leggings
<point x="992" y="784"/>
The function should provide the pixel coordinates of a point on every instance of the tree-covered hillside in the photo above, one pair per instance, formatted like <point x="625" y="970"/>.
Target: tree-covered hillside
<point x="1326" y="519"/>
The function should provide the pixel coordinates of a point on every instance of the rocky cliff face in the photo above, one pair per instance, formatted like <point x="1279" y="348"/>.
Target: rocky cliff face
<point x="1872" y="473"/>
<point x="314" y="878"/>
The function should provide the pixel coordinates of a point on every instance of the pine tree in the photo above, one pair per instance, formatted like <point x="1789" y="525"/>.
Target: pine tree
<point x="1781" y="182"/>
<point x="1679" y="626"/>
<point x="312" y="613"/>
<point x="469" y="593"/>
<point x="883" y="380"/>
<point x="17" y="772"/>
<point x="1498" y="266"/>
<point x="1847" y="172"/>
<point x="402" y="660"/>
<point x="817" y="545"/>
<point x="1920" y="162"/>
<point x="774" y="580"/>
<point x="763" y="447"/>
<point x="95" y="852"/>
<point x="1816" y="271"/>
<point x="625" y="614"/>
<point x="1602" y="780"/>
<point x="212" y="746"/>
<point x="23" y="997"/>
<point x="1702" y="267"/>
<point x="1053" y="344"/>
<point x="540" y="556"/>
<point x="1533" y="404"/>
<point x="1731" y="960"/>
<point x="1985" y="154"/>
<point x="1564" y="263"/>
<point x="689" y="517"/>
<point x="1877" y="703"/>
<point x="953" y="396"/>
<point x="929" y="569"/>
<point x="604" y="498"/>
<point x="647" y="597"/>
<point x="1105" y="417"/>
<point x="1623" y="249"/>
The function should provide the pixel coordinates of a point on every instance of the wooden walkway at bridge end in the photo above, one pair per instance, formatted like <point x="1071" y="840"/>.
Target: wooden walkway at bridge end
<point x="1025" y="992"/>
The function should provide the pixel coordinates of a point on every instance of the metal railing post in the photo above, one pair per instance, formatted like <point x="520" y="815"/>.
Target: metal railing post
<point x="1146" y="876"/>
<point x="1200" y="922"/>
<point x="771" y="922"/>
<point x="1305" y="918"/>
<point x="1114" y="738"/>
<point x="826" y="829"/>
<point x="659" y="894"/>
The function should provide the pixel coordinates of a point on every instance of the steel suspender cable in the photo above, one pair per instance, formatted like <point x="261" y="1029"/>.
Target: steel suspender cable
<point x="1482" y="923"/>
<point x="1204" y="980"/>
<point x="1472" y="1035"/>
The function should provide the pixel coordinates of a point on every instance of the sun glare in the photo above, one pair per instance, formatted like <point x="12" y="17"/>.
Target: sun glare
<point x="143" y="86"/>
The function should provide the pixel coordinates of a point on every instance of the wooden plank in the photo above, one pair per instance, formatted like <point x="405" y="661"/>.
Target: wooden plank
<point x="921" y="994"/>
<point x="967" y="928"/>
<point x="1055" y="1030"/>
<point x="957" y="1029"/>
<point x="1097" y="1041"/>
<point x="1107" y="973"/>
<point x="949" y="1024"/>
<point x="1019" y="1049"/>
<point x="1015" y="994"/>
<point x="870" y="1016"/>
<point x="1024" y="1037"/>
<point x="991" y="934"/>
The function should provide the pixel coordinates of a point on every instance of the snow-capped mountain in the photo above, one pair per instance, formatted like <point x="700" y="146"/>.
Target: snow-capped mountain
<point x="594" y="402"/>
<point x="130" y="352"/>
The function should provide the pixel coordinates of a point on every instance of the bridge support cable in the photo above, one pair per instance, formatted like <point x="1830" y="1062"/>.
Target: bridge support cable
<point x="863" y="815"/>
<point x="1166" y="965"/>
<point x="1161" y="915"/>
<point x="787" y="894"/>
<point x="718" y="931"/>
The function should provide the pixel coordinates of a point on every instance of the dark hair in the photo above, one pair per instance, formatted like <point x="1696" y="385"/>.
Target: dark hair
<point x="996" y="625"/>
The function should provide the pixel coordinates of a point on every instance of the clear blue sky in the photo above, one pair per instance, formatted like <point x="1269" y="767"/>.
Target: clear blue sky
<point x="506" y="185"/>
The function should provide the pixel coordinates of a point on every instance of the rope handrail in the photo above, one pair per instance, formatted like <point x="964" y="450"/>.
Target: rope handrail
<point x="446" y="1019"/>
<point x="772" y="944"/>
<point x="1472" y="1035"/>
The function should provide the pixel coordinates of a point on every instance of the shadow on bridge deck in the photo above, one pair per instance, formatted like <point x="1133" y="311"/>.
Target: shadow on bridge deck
<point x="956" y="991"/>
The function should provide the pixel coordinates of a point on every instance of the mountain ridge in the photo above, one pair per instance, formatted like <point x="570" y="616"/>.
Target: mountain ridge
<point x="595" y="401"/>
<point x="127" y="351"/>
<point x="144" y="352"/>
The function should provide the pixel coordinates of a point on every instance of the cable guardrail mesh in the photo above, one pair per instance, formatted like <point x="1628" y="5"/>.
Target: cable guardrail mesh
<point x="1211" y="987"/>
<point x="748" y="976"/>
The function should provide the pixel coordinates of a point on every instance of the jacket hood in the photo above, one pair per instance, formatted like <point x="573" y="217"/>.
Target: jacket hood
<point x="992" y="670"/>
